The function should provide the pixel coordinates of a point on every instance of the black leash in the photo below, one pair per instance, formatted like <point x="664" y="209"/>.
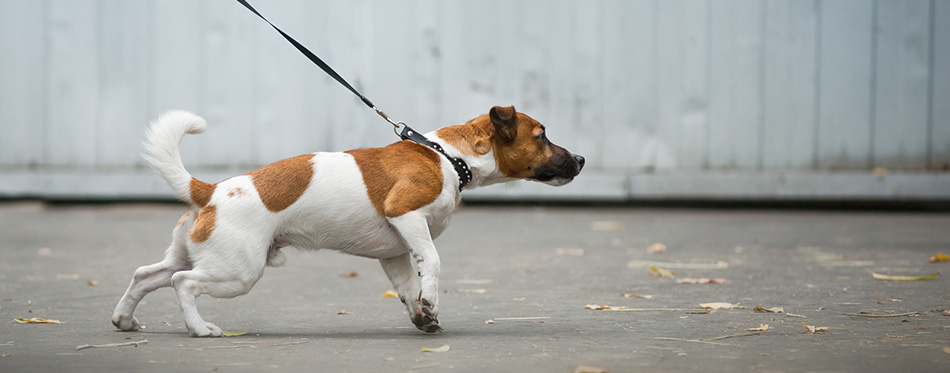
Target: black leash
<point x="407" y="133"/>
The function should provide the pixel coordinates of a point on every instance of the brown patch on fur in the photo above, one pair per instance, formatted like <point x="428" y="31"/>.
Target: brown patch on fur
<point x="472" y="138"/>
<point x="184" y="218"/>
<point x="201" y="192"/>
<point x="524" y="152"/>
<point x="401" y="177"/>
<point x="236" y="192"/>
<point x="204" y="224"/>
<point x="281" y="183"/>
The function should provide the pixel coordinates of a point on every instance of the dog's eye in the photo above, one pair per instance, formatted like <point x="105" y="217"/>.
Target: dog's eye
<point x="542" y="136"/>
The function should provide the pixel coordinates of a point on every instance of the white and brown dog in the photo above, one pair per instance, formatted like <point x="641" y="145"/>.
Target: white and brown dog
<point x="385" y="203"/>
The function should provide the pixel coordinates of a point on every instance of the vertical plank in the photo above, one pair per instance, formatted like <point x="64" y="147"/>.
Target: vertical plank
<point x="735" y="85"/>
<point x="231" y="81"/>
<point x="682" y="55"/>
<point x="844" y="128"/>
<point x="390" y="69"/>
<point x="545" y="57"/>
<point x="123" y="85"/>
<point x="586" y="71"/>
<point x="479" y="44"/>
<point x="346" y="41"/>
<point x="72" y="83"/>
<point x="630" y="84"/>
<point x="286" y="97"/>
<point x="789" y="81"/>
<point x="940" y="96"/>
<point x="22" y="95"/>
<point x="175" y="69"/>
<point x="903" y="80"/>
<point x="425" y="56"/>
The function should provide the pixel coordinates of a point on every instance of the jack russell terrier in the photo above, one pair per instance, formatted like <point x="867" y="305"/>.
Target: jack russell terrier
<point x="385" y="203"/>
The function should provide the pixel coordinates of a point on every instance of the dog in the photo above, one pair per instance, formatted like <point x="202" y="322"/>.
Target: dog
<point x="384" y="203"/>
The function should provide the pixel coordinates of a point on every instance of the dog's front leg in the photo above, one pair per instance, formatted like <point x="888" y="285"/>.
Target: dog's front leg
<point x="406" y="282"/>
<point x="414" y="230"/>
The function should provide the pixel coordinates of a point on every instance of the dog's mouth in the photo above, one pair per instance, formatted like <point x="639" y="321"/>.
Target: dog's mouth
<point x="560" y="171"/>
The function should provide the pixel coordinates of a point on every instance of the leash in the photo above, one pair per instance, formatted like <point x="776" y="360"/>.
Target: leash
<point x="406" y="133"/>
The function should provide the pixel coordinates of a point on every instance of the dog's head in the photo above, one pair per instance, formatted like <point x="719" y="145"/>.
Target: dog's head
<point x="522" y="149"/>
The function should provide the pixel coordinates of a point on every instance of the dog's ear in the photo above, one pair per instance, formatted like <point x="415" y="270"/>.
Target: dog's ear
<point x="504" y="120"/>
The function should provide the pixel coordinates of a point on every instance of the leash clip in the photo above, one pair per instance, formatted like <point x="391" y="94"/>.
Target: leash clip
<point x="397" y="126"/>
<point x="387" y="118"/>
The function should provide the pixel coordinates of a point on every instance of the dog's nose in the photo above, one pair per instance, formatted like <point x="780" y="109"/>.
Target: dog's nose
<point x="579" y="159"/>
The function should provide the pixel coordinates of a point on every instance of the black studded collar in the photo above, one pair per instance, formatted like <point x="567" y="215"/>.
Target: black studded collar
<point x="461" y="168"/>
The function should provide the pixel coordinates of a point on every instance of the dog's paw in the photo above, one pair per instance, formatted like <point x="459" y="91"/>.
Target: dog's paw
<point x="126" y="323"/>
<point x="426" y="323"/>
<point x="206" y="330"/>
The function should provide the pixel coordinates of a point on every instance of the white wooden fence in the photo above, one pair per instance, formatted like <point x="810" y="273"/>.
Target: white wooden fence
<point x="737" y="99"/>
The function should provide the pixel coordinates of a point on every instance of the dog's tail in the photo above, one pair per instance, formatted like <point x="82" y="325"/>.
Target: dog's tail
<point x="162" y="154"/>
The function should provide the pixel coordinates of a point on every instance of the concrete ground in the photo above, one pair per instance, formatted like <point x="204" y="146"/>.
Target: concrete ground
<point x="516" y="281"/>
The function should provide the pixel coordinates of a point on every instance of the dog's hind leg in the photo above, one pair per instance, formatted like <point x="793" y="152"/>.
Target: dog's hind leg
<point x="406" y="282"/>
<point x="232" y="271"/>
<point x="147" y="279"/>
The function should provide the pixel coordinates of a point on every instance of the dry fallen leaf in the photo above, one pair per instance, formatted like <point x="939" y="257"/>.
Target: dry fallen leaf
<point x="940" y="257"/>
<point x="349" y="274"/>
<point x="761" y="328"/>
<point x="946" y="349"/>
<point x="437" y="349"/>
<point x="656" y="248"/>
<point x="603" y="226"/>
<point x="587" y="369"/>
<point x="36" y="320"/>
<point x="598" y="307"/>
<point x="625" y="295"/>
<point x="720" y="305"/>
<point x="769" y="310"/>
<point x="343" y="312"/>
<point x="879" y="172"/>
<point x="700" y="281"/>
<point x="662" y="272"/>
<point x="901" y="278"/>
<point x="390" y="294"/>
<point x="815" y="329"/>
<point x="92" y="283"/>
<point x="234" y="334"/>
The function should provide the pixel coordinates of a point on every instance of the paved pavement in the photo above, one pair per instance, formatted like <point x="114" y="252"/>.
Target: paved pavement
<point x="501" y="264"/>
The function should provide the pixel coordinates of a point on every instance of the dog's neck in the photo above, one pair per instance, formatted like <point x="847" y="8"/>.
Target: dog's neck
<point x="471" y="142"/>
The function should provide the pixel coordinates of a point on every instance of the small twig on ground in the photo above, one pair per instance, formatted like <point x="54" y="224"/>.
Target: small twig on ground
<point x="430" y="365"/>
<point x="521" y="318"/>
<point x="883" y="315"/>
<point x="135" y="343"/>
<point x="710" y="340"/>
<point x="730" y="336"/>
<point x="701" y="310"/>
<point x="253" y="346"/>
<point x="795" y="315"/>
<point x="696" y="341"/>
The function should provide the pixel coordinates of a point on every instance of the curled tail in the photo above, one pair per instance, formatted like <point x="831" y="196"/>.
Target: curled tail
<point x="162" y="154"/>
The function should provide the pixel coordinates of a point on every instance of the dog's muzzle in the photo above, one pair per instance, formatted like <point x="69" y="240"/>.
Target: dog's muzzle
<point x="561" y="170"/>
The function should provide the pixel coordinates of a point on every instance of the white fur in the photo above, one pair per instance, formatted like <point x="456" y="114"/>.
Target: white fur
<point x="333" y="213"/>
<point x="161" y="148"/>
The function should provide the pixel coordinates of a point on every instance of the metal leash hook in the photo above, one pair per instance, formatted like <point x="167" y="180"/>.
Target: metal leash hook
<point x="387" y="118"/>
